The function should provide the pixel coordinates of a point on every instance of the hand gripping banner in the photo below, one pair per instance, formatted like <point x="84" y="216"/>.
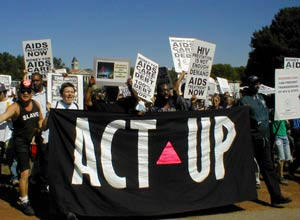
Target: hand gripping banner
<point x="105" y="164"/>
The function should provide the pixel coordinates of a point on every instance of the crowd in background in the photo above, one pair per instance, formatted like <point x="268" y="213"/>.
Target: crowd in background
<point x="24" y="125"/>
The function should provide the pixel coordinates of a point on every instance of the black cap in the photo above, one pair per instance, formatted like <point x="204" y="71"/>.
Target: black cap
<point x="252" y="80"/>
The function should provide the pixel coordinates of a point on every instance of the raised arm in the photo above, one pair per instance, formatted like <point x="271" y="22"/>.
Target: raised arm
<point x="132" y="90"/>
<point x="88" y="93"/>
<point x="178" y="82"/>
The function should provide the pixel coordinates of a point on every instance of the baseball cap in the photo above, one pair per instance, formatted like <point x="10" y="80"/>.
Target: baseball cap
<point x="2" y="87"/>
<point x="252" y="80"/>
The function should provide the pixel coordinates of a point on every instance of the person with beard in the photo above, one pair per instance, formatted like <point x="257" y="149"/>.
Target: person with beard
<point x="164" y="101"/>
<point x="27" y="120"/>
<point x="260" y="132"/>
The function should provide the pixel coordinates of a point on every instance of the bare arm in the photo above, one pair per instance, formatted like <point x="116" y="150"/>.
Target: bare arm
<point x="177" y="84"/>
<point x="10" y="112"/>
<point x="132" y="90"/>
<point x="45" y="121"/>
<point x="25" y="75"/>
<point x="87" y="96"/>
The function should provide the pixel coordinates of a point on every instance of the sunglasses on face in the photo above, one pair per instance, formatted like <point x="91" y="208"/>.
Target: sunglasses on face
<point x="23" y="90"/>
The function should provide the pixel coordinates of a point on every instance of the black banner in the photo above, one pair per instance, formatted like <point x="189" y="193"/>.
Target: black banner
<point x="105" y="164"/>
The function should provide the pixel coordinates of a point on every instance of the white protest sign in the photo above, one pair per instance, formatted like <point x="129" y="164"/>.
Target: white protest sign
<point x="291" y="63"/>
<point x="212" y="87"/>
<point x="144" y="77"/>
<point x="181" y="49"/>
<point x="111" y="72"/>
<point x="266" y="90"/>
<point x="224" y="86"/>
<point x="54" y="83"/>
<point x="199" y="69"/>
<point x="235" y="88"/>
<point x="6" y="80"/>
<point x="61" y="71"/>
<point x="38" y="56"/>
<point x="287" y="94"/>
<point x="124" y="91"/>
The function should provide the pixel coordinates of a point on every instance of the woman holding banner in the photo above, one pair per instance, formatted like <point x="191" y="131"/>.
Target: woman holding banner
<point x="67" y="92"/>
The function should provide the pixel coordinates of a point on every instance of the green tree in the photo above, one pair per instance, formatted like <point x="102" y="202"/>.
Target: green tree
<point x="226" y="71"/>
<point x="11" y="65"/>
<point x="14" y="66"/>
<point x="272" y="43"/>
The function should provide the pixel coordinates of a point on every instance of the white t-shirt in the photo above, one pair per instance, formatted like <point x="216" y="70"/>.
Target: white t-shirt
<point x="5" y="126"/>
<point x="62" y="105"/>
<point x="41" y="97"/>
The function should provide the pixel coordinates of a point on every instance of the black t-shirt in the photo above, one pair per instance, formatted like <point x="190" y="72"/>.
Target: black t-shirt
<point x="25" y="124"/>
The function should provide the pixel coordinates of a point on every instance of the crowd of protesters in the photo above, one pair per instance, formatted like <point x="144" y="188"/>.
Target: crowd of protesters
<point x="24" y="122"/>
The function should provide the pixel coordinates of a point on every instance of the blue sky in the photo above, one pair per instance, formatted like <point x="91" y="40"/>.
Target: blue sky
<point x="123" y="28"/>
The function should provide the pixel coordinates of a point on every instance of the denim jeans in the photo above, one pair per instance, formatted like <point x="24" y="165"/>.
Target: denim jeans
<point x="283" y="148"/>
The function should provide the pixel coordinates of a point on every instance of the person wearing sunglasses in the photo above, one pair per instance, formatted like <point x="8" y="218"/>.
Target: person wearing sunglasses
<point x="27" y="120"/>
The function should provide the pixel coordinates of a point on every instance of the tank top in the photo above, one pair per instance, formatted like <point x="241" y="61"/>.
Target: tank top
<point x="24" y="126"/>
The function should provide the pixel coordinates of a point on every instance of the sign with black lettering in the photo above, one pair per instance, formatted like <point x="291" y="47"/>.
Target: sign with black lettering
<point x="224" y="86"/>
<point x="181" y="49"/>
<point x="199" y="70"/>
<point x="103" y="164"/>
<point x="287" y="94"/>
<point x="144" y="77"/>
<point x="235" y="88"/>
<point x="54" y="82"/>
<point x="111" y="72"/>
<point x="266" y="90"/>
<point x="6" y="80"/>
<point x="291" y="63"/>
<point x="38" y="56"/>
<point x="124" y="91"/>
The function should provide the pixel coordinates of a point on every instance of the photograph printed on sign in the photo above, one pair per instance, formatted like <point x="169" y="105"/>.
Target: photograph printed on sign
<point x="105" y="70"/>
<point x="111" y="72"/>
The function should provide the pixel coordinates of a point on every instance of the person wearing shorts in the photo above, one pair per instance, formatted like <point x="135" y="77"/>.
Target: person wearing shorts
<point x="282" y="147"/>
<point x="27" y="121"/>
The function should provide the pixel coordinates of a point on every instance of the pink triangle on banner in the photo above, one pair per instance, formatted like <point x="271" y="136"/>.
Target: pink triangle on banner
<point x="168" y="156"/>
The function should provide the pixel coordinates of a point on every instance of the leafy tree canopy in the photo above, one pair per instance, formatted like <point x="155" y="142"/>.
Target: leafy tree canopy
<point x="272" y="43"/>
<point x="227" y="71"/>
